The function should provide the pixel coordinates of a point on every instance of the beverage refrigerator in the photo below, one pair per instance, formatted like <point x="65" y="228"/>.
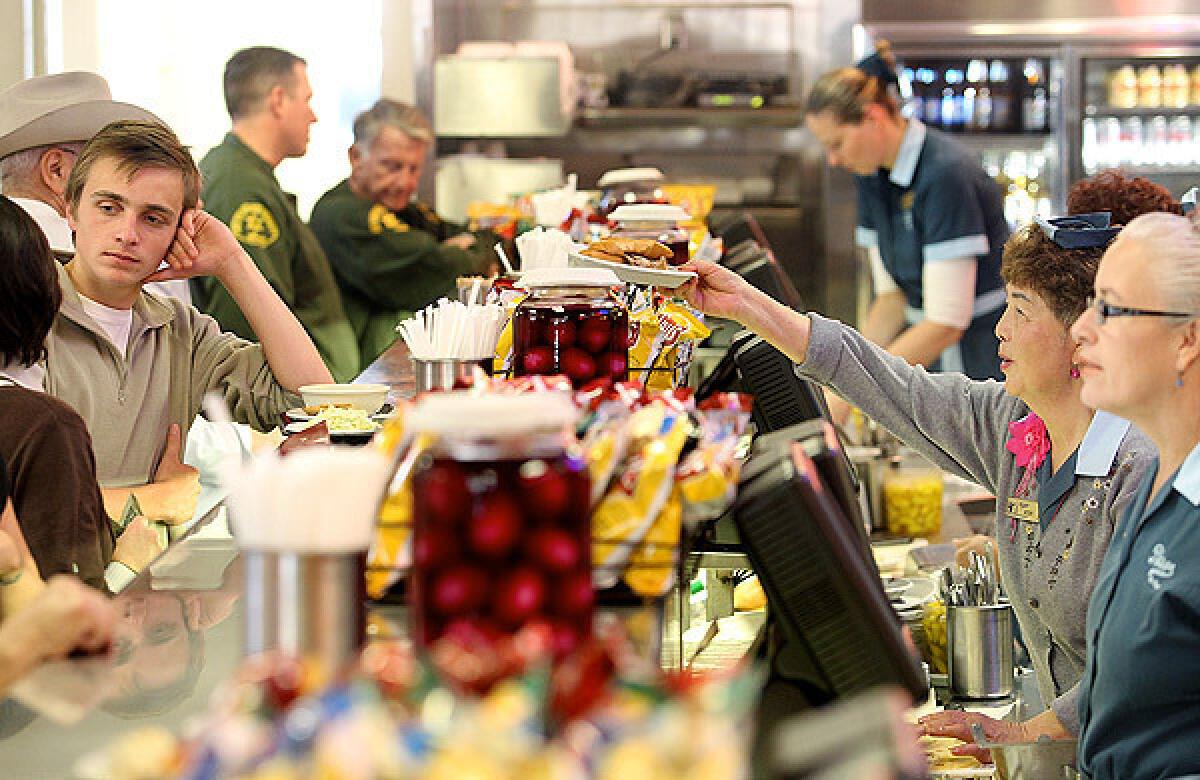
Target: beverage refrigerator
<point x="1140" y="111"/>
<point x="1064" y="91"/>
<point x="1003" y="103"/>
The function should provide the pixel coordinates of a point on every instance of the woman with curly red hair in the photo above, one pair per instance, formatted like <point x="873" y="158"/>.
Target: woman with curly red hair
<point x="1125" y="197"/>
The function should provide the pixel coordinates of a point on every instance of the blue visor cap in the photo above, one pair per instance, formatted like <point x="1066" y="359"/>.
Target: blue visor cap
<point x="1080" y="231"/>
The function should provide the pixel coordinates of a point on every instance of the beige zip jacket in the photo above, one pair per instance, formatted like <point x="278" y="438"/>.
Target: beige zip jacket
<point x="175" y="355"/>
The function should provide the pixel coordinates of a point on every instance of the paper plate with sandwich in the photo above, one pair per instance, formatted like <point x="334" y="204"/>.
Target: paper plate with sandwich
<point x="634" y="260"/>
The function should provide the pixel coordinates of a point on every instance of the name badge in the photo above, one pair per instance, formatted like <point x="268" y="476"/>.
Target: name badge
<point x="1022" y="509"/>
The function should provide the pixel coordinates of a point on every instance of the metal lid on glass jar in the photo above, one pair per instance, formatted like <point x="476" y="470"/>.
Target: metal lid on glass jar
<point x="485" y="416"/>
<point x="541" y="278"/>
<point x="629" y="175"/>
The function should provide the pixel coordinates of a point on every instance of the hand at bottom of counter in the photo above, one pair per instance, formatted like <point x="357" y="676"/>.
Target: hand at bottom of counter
<point x="957" y="724"/>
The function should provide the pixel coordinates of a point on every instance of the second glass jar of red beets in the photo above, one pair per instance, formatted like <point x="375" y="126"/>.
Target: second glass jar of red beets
<point x="571" y="323"/>
<point x="501" y="528"/>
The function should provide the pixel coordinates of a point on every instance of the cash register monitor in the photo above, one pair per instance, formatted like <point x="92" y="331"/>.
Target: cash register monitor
<point x="832" y="630"/>
<point x="782" y="397"/>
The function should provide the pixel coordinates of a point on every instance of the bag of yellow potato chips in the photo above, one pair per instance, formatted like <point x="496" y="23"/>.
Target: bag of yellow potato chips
<point x="390" y="553"/>
<point x="642" y="486"/>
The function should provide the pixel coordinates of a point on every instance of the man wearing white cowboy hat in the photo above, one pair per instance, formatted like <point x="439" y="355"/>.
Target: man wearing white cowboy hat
<point x="44" y="123"/>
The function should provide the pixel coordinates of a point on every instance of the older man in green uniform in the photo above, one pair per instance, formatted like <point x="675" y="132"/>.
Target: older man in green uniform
<point x="267" y="94"/>
<point x="391" y="254"/>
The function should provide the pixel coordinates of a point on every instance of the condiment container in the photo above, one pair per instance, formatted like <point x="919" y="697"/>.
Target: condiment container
<point x="571" y="323"/>
<point x="912" y="496"/>
<point x="657" y="222"/>
<point x="501" y="525"/>
<point x="629" y="185"/>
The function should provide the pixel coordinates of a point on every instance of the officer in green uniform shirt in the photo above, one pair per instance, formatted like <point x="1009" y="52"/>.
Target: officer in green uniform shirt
<point x="267" y="94"/>
<point x="391" y="254"/>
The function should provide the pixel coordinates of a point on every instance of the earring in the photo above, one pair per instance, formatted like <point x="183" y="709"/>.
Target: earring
<point x="1179" y="380"/>
<point x="1074" y="372"/>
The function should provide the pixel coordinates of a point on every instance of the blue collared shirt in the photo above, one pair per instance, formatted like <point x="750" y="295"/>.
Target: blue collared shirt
<point x="1140" y="704"/>
<point x="936" y="204"/>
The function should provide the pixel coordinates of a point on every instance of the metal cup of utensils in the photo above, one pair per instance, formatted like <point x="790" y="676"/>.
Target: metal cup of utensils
<point x="434" y="375"/>
<point x="310" y="605"/>
<point x="980" y="644"/>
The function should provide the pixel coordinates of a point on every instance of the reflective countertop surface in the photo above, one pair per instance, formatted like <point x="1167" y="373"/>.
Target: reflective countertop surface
<point x="178" y="638"/>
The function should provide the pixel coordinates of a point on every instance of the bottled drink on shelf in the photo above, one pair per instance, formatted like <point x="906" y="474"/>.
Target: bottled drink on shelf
<point x="1176" y="86"/>
<point x="977" y="97"/>
<point x="1001" y="86"/>
<point x="1195" y="98"/>
<point x="1132" y="141"/>
<point x="1155" y="149"/>
<point x="1123" y="87"/>
<point x="952" y="101"/>
<point x="931" y="82"/>
<point x="1108" y="136"/>
<point x="1180" y="151"/>
<point x="1034" y="103"/>
<point x="1089" y="149"/>
<point x="1149" y="87"/>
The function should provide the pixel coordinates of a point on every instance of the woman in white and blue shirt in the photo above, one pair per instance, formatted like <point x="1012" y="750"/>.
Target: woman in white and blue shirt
<point x="929" y="217"/>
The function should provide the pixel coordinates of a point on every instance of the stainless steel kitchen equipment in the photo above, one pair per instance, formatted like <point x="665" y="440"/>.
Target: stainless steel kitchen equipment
<point x="443" y="374"/>
<point x="730" y="78"/>
<point x="980" y="656"/>
<point x="498" y="97"/>
<point x="312" y="605"/>
<point x="1039" y="760"/>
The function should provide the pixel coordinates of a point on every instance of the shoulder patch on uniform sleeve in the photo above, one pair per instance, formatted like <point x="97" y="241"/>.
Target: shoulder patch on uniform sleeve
<point x="253" y="224"/>
<point x="427" y="212"/>
<point x="381" y="217"/>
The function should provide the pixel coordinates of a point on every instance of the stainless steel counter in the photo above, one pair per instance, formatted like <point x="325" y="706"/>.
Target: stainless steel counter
<point x="179" y="637"/>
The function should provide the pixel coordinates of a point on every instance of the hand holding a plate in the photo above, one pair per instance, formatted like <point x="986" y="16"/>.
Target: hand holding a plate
<point x="719" y="291"/>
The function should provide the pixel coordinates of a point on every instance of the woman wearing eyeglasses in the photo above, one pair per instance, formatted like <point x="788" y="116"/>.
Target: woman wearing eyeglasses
<point x="1139" y="357"/>
<point x="1061" y="474"/>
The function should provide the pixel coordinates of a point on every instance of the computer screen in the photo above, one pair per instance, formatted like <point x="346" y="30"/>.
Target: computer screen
<point x="782" y="397"/>
<point x="833" y="630"/>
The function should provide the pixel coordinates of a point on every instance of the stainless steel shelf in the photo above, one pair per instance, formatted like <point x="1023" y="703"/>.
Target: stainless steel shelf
<point x="1096" y="111"/>
<point x="984" y="141"/>
<point x="1153" y="171"/>
<point x="618" y="118"/>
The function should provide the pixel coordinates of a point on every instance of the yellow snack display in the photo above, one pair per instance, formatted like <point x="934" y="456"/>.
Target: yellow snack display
<point x="638" y="494"/>
<point x="652" y="564"/>
<point x="390" y="552"/>
<point x="663" y="339"/>
<point x="749" y="596"/>
<point x="509" y="299"/>
<point x="933" y="620"/>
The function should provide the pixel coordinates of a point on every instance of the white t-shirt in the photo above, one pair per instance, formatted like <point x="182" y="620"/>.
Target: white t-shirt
<point x="947" y="288"/>
<point x="116" y="323"/>
<point x="30" y="377"/>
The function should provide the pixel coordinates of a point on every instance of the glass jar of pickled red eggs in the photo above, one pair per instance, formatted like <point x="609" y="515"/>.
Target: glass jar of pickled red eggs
<point x="501" y="527"/>
<point x="572" y="324"/>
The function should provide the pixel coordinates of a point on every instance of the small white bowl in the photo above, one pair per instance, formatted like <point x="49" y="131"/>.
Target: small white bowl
<point x="369" y="398"/>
